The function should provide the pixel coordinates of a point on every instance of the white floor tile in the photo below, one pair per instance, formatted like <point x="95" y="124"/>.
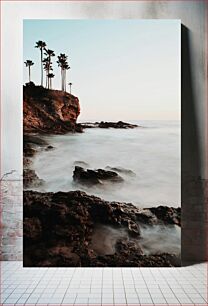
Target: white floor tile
<point x="94" y="301"/>
<point x="146" y="301"/>
<point x="196" y="298"/>
<point x="32" y="300"/>
<point x="107" y="300"/>
<point x="127" y="286"/>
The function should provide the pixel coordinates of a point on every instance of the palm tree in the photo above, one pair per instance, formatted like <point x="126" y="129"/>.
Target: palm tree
<point x="47" y="67"/>
<point x="49" y="53"/>
<point x="28" y="64"/>
<point x="50" y="76"/>
<point x="65" y="67"/>
<point x="41" y="45"/>
<point x="62" y="62"/>
<point x="70" y="84"/>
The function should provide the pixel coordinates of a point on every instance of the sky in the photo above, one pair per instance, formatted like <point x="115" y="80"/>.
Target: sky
<point x="120" y="69"/>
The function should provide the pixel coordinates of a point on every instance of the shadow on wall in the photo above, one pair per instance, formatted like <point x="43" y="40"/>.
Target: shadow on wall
<point x="193" y="235"/>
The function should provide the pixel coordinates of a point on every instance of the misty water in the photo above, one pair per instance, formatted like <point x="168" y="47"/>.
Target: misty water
<point x="152" y="152"/>
<point x="154" y="239"/>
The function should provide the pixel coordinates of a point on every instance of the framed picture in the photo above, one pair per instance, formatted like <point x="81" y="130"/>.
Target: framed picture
<point x="102" y="142"/>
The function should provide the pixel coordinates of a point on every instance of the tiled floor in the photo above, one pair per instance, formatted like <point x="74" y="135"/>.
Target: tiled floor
<point x="109" y="286"/>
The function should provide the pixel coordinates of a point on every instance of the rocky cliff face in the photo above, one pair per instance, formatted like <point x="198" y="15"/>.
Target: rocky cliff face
<point x="49" y="111"/>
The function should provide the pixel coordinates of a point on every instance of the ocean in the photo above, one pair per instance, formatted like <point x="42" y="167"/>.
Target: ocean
<point x="151" y="151"/>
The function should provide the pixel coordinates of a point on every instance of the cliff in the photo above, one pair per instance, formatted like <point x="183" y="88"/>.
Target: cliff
<point x="49" y="111"/>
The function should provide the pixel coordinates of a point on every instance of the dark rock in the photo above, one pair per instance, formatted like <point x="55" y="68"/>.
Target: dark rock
<point x="32" y="229"/>
<point x="94" y="177"/>
<point x="49" y="148"/>
<point x="78" y="128"/>
<point x="145" y="216"/>
<point x="125" y="257"/>
<point x="121" y="170"/>
<point x="160" y="215"/>
<point x="169" y="215"/>
<point x="106" y="125"/>
<point x="125" y="246"/>
<point x="58" y="228"/>
<point x="29" y="150"/>
<point x="34" y="139"/>
<point x="30" y="179"/>
<point x="26" y="162"/>
<point x="31" y="144"/>
<point x="116" y="125"/>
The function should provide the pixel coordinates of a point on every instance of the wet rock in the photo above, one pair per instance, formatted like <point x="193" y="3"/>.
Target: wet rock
<point x="31" y="144"/>
<point x="169" y="215"/>
<point x="30" y="179"/>
<point x="126" y="247"/>
<point x="26" y="162"/>
<point x="106" y="125"/>
<point x="125" y="258"/>
<point x="159" y="215"/>
<point x="49" y="148"/>
<point x="32" y="229"/>
<point x="29" y="150"/>
<point x="62" y="227"/>
<point x="63" y="256"/>
<point x="95" y="177"/>
<point x="78" y="128"/>
<point x="34" y="139"/>
<point x="121" y="170"/>
<point x="116" y="125"/>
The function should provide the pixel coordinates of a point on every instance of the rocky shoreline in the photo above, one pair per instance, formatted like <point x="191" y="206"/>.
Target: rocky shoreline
<point x="58" y="230"/>
<point x="59" y="227"/>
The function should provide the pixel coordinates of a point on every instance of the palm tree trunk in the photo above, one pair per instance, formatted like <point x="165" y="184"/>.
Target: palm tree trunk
<point x="29" y="74"/>
<point x="48" y="79"/>
<point x="65" y="80"/>
<point x="41" y="66"/>
<point x="61" y="79"/>
<point x="49" y="71"/>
